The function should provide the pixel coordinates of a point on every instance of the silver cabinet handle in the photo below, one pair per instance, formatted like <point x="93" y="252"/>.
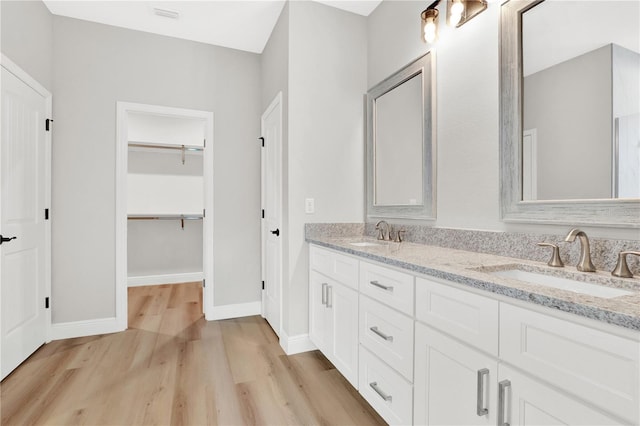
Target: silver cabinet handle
<point x="383" y="395"/>
<point x="481" y="410"/>
<point x="381" y="334"/>
<point x="502" y="388"/>
<point x="324" y="293"/>
<point x="330" y="296"/>
<point x="382" y="286"/>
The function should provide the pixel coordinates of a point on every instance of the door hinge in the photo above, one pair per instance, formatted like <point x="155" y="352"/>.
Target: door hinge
<point x="204" y="212"/>
<point x="204" y="283"/>
<point x="204" y="143"/>
<point x="262" y="140"/>
<point x="263" y="213"/>
<point x="47" y="123"/>
<point x="263" y="285"/>
<point x="46" y="214"/>
<point x="46" y="303"/>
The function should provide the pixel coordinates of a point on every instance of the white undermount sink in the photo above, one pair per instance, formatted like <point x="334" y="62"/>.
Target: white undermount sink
<point x="562" y="283"/>
<point x="367" y="244"/>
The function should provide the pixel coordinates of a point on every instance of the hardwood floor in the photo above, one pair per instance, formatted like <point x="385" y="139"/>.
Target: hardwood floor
<point x="173" y="367"/>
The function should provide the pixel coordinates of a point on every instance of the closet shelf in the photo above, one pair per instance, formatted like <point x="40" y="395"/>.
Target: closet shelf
<point x="176" y="147"/>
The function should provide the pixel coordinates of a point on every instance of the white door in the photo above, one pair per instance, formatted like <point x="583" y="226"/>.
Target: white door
<point x="454" y="384"/>
<point x="272" y="212"/>
<point x="23" y="260"/>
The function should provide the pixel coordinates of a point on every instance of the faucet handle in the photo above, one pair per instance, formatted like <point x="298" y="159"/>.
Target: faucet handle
<point x="398" y="238"/>
<point x="622" y="269"/>
<point x="555" y="260"/>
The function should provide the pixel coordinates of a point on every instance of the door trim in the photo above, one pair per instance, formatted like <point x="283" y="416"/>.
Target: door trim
<point x="275" y="103"/>
<point x="22" y="75"/>
<point x="122" y="150"/>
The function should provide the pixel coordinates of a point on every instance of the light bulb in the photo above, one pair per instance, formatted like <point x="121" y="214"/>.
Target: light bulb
<point x="430" y="31"/>
<point x="454" y="19"/>
<point x="457" y="8"/>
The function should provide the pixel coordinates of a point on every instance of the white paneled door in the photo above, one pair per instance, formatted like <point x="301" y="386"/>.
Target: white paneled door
<point x="272" y="212"/>
<point x="24" y="254"/>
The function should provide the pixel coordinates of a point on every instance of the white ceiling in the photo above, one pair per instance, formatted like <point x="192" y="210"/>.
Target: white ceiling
<point x="238" y="24"/>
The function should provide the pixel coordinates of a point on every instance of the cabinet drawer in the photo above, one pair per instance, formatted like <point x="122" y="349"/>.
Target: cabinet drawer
<point x="341" y="268"/>
<point x="387" y="391"/>
<point x="461" y="314"/>
<point x="388" y="334"/>
<point x="388" y="286"/>
<point x="597" y="367"/>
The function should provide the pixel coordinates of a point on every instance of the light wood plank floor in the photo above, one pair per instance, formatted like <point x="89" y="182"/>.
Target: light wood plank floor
<point x="173" y="367"/>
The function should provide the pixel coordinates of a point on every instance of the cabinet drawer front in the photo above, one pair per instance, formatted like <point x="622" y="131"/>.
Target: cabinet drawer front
<point x="388" y="334"/>
<point x="387" y="391"/>
<point x="341" y="268"/>
<point x="462" y="314"/>
<point x="388" y="286"/>
<point x="595" y="366"/>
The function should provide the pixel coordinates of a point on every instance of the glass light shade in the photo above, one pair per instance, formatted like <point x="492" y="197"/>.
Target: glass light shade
<point x="430" y="30"/>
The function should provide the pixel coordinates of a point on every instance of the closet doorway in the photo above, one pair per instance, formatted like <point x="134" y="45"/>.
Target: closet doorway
<point x="164" y="200"/>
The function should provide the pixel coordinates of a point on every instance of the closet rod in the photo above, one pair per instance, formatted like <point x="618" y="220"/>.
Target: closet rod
<point x="174" y="147"/>
<point x="167" y="217"/>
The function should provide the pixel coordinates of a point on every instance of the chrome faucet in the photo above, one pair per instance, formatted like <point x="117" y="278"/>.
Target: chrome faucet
<point x="584" y="264"/>
<point x="384" y="234"/>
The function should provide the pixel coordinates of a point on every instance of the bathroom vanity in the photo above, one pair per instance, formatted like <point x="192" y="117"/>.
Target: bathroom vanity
<point x="432" y="335"/>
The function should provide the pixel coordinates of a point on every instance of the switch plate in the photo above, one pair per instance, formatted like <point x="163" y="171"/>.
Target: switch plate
<point x="309" y="205"/>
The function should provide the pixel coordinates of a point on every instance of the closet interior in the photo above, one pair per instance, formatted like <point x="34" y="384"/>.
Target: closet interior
<point x="165" y="198"/>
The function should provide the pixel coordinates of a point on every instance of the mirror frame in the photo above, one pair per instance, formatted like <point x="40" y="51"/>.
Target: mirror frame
<point x="424" y="67"/>
<point x="603" y="212"/>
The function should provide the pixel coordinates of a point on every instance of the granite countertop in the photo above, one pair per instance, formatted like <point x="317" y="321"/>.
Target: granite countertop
<point x="473" y="269"/>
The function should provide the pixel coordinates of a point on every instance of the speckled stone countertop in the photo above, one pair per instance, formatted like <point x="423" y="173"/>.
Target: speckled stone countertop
<point x="473" y="269"/>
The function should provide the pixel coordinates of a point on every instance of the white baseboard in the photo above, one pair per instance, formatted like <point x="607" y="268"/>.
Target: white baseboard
<point x="296" y="344"/>
<point x="236" y="311"/>
<point x="69" y="330"/>
<point x="186" y="277"/>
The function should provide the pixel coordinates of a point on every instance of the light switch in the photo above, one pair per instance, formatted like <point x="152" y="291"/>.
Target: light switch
<point x="309" y="205"/>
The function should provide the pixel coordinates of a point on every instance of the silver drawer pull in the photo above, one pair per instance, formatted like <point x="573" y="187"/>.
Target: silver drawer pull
<point x="381" y="334"/>
<point x="480" y="408"/>
<point x="502" y="389"/>
<point x="382" y="286"/>
<point x="383" y="395"/>
<point x="324" y="293"/>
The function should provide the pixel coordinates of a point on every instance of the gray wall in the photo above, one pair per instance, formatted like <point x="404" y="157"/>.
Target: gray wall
<point x="97" y="65"/>
<point x="317" y="57"/>
<point x="327" y="80"/>
<point x="27" y="37"/>
<point x="570" y="105"/>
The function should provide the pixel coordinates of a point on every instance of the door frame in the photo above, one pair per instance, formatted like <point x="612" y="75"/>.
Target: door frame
<point x="22" y="75"/>
<point x="275" y="103"/>
<point x="122" y="159"/>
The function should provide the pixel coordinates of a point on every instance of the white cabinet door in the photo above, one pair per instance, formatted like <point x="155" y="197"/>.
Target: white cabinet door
<point x="333" y="323"/>
<point x="527" y="402"/>
<point x="454" y="384"/>
<point x="318" y="311"/>
<point x="342" y="303"/>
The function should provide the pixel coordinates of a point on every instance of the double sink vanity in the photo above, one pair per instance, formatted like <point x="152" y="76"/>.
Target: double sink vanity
<point x="432" y="335"/>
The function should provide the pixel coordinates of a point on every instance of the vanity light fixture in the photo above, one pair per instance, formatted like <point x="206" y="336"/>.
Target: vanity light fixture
<point x="429" y="19"/>
<point x="460" y="12"/>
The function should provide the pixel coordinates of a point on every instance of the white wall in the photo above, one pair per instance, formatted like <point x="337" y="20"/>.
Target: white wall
<point x="27" y="37"/>
<point x="467" y="90"/>
<point x="94" y="67"/>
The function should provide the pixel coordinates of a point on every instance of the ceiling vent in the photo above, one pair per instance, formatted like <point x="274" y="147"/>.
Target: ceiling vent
<point x="166" y="13"/>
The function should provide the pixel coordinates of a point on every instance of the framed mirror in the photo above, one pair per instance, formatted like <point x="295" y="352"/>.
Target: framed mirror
<point x="400" y="147"/>
<point x="570" y="112"/>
